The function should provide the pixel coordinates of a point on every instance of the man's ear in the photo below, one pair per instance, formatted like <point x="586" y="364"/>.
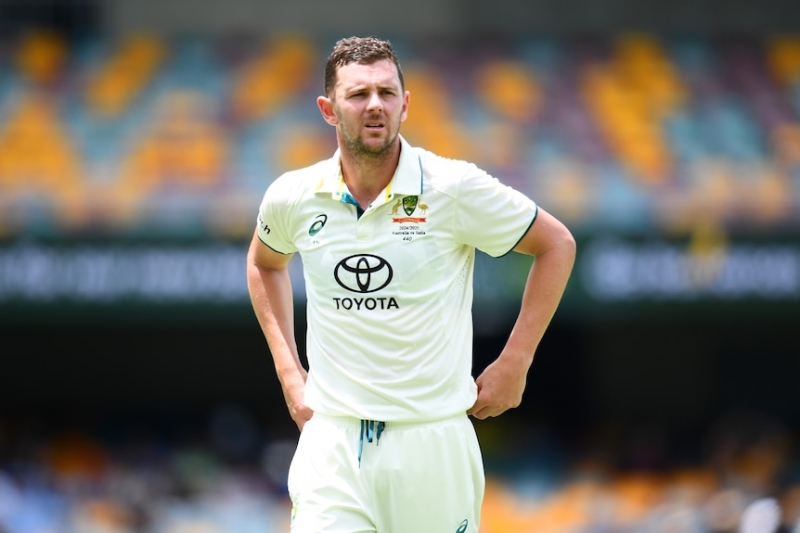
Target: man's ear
<point x="326" y="108"/>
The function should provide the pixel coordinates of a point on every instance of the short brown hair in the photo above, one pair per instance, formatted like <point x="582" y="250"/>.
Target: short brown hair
<point x="362" y="50"/>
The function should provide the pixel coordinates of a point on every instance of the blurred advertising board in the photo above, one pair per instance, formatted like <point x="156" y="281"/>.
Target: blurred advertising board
<point x="616" y="276"/>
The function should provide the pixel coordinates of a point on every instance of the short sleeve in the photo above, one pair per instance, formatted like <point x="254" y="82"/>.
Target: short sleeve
<point x="490" y="215"/>
<point x="273" y="223"/>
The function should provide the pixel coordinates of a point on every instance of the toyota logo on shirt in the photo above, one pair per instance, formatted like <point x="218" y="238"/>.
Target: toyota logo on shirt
<point x="363" y="273"/>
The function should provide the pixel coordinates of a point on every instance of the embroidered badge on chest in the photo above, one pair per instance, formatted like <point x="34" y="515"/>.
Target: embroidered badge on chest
<point x="409" y="226"/>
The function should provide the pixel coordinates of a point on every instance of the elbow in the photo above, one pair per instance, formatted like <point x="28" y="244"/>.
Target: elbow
<point x="568" y="247"/>
<point x="569" y="244"/>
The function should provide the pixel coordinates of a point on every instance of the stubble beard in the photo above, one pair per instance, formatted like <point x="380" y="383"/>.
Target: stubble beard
<point x="356" y="145"/>
<point x="359" y="148"/>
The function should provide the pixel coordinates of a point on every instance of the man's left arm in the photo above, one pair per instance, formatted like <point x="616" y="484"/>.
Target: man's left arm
<point x="502" y="383"/>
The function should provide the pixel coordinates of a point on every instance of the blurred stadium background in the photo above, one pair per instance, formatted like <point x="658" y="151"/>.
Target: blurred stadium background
<point x="136" y="139"/>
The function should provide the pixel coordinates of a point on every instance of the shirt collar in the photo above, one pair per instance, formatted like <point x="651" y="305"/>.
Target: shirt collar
<point x="407" y="179"/>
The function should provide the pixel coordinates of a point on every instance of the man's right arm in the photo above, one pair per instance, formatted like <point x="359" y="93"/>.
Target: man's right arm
<point x="270" y="291"/>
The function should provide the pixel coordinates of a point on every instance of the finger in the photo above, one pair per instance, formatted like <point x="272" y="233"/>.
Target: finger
<point x="482" y="413"/>
<point x="477" y="406"/>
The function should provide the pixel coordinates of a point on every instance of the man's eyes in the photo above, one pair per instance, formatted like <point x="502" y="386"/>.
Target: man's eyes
<point x="362" y="94"/>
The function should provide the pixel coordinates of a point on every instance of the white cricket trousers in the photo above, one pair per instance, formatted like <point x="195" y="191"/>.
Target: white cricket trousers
<point x="357" y="476"/>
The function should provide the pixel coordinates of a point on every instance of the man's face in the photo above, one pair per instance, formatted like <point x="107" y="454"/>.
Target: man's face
<point x="369" y="105"/>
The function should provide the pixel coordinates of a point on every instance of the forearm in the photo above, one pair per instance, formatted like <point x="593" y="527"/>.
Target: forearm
<point x="272" y="299"/>
<point x="544" y="288"/>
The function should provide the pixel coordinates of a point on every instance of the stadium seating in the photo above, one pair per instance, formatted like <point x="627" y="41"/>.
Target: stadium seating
<point x="115" y="133"/>
<point x="193" y="478"/>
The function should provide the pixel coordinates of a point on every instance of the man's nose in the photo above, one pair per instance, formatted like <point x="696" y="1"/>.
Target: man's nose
<point x="374" y="101"/>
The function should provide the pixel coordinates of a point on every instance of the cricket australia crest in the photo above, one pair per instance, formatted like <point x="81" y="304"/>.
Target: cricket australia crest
<point x="410" y="204"/>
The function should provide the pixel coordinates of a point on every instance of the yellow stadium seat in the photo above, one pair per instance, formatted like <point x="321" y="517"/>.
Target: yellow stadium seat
<point x="184" y="150"/>
<point x="41" y="56"/>
<point x="510" y="89"/>
<point x="783" y="58"/>
<point x="283" y="67"/>
<point x="125" y="74"/>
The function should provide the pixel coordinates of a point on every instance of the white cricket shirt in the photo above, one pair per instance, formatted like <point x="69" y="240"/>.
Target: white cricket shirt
<point x="389" y="292"/>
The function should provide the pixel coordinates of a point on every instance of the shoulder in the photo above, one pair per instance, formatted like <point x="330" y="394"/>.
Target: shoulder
<point x="446" y="174"/>
<point x="295" y="184"/>
<point x="444" y="166"/>
<point x="456" y="178"/>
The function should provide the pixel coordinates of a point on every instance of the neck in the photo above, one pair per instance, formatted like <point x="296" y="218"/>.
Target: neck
<point x="367" y="175"/>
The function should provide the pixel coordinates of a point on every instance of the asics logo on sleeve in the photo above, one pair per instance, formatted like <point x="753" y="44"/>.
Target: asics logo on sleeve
<point x="463" y="527"/>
